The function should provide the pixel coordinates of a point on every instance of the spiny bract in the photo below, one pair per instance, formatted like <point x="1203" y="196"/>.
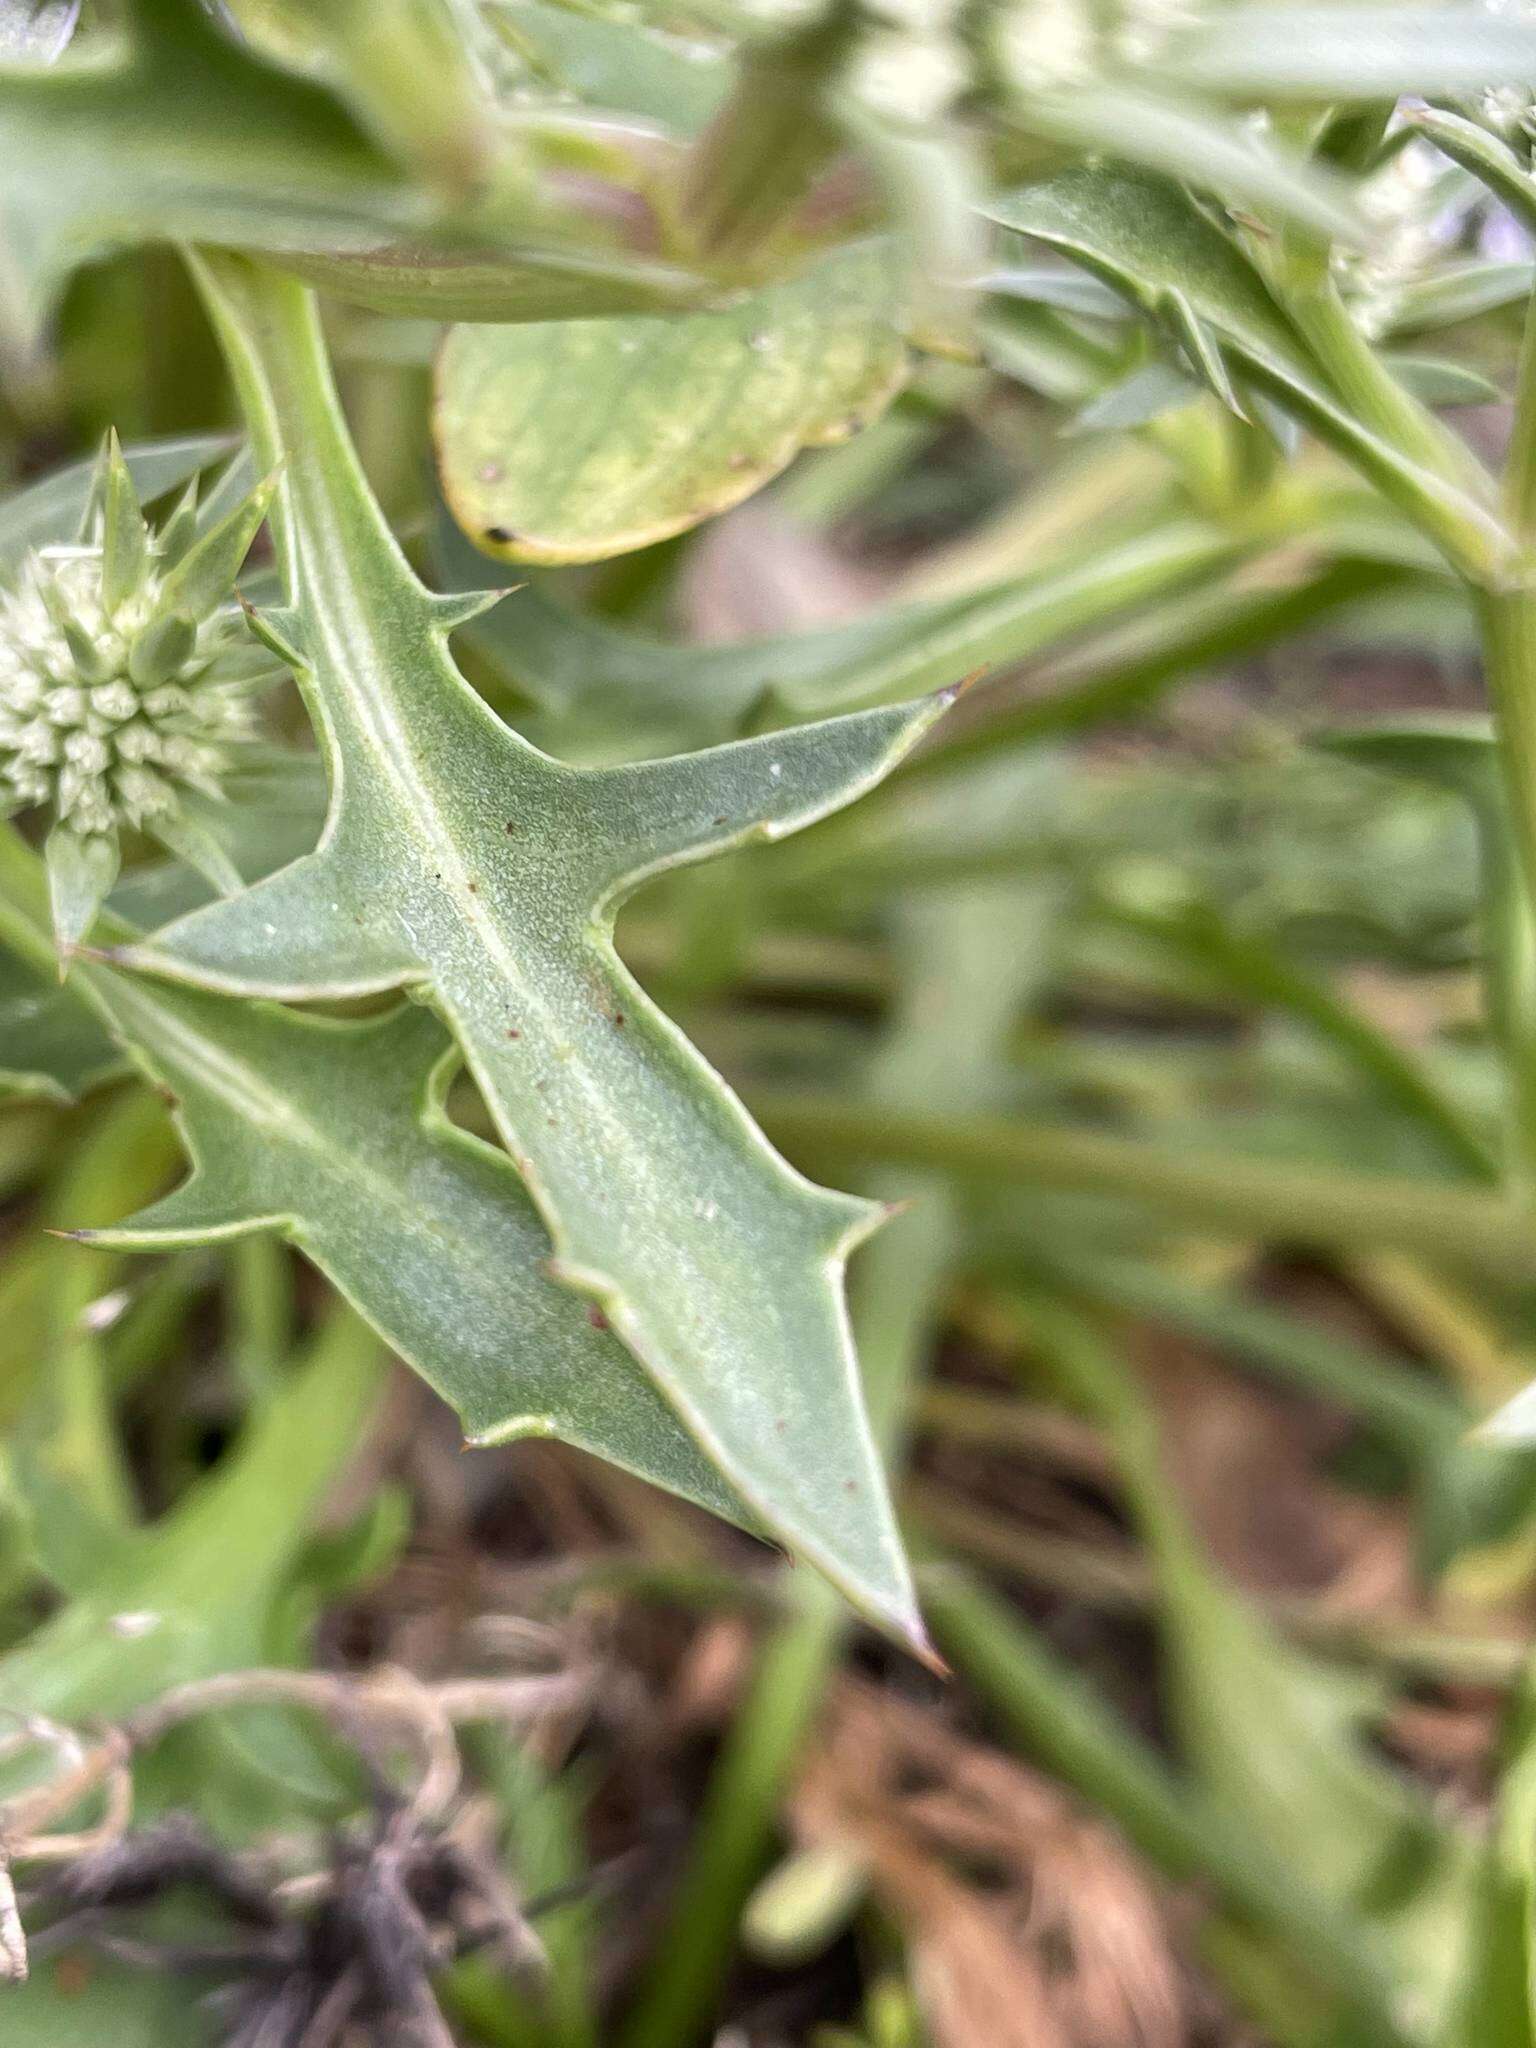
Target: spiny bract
<point x="126" y="669"/>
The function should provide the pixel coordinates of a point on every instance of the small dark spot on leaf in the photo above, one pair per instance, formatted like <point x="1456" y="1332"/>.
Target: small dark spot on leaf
<point x="71" y="1976"/>
<point x="721" y="819"/>
<point x="169" y="1097"/>
<point x="511" y="828"/>
<point x="850" y="1486"/>
<point x="553" y="1122"/>
<point x="474" y="888"/>
<point x="513" y="1034"/>
<point x="501" y="534"/>
<point x="596" y="1317"/>
<point x="618" y="1018"/>
<point x="779" y="1425"/>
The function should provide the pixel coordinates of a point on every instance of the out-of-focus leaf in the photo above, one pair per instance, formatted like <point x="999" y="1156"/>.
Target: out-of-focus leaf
<point x="623" y="64"/>
<point x="508" y="284"/>
<point x="1068" y="290"/>
<point x="1059" y="1719"/>
<point x="1148" y="239"/>
<point x="198" y="1585"/>
<point x="49" y="1045"/>
<point x="1459" y="291"/>
<point x="1485" y="156"/>
<point x="1329" y="54"/>
<point x="402" y="64"/>
<point x="461" y="861"/>
<point x="184" y="135"/>
<point x="607" y="682"/>
<point x="36" y="31"/>
<point x="1434" y="381"/>
<point x="574" y="441"/>
<point x="1144" y="395"/>
<point x="1499" y="1993"/>
<point x="51" y="509"/>
<point x="1198" y="144"/>
<point x="71" y="2002"/>
<point x="1276" y="1737"/>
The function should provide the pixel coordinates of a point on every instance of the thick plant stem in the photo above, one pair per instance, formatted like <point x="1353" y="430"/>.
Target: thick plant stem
<point x="1357" y="374"/>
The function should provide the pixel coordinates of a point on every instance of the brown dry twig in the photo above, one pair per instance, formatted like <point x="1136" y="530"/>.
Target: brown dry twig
<point x="366" y="1932"/>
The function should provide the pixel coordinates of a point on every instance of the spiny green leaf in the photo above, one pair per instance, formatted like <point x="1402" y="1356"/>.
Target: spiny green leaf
<point x="334" y="1134"/>
<point x="1148" y="239"/>
<point x="459" y="859"/>
<point x="569" y="442"/>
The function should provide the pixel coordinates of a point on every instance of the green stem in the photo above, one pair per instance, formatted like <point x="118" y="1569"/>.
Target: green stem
<point x="1263" y="972"/>
<point x="1112" y="680"/>
<point x="260" y="1289"/>
<point x="1507" y="619"/>
<point x="1362" y="381"/>
<point x="1520" y="464"/>
<point x="1234" y="1195"/>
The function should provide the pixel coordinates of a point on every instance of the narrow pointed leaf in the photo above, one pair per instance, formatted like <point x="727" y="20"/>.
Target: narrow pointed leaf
<point x="162" y="649"/>
<point x="179" y="531"/>
<point x="460" y="859"/>
<point x="205" y="575"/>
<point x="81" y="872"/>
<point x="52" y="508"/>
<point x="124" y="536"/>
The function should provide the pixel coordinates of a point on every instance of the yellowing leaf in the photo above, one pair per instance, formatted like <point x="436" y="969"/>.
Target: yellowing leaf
<point x="575" y="440"/>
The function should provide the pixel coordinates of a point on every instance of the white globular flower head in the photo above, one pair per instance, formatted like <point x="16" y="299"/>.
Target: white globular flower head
<point x="126" y="671"/>
<point x="104" y="720"/>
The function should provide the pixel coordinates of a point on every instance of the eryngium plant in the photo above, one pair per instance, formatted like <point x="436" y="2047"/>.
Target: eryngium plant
<point x="126" y="671"/>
